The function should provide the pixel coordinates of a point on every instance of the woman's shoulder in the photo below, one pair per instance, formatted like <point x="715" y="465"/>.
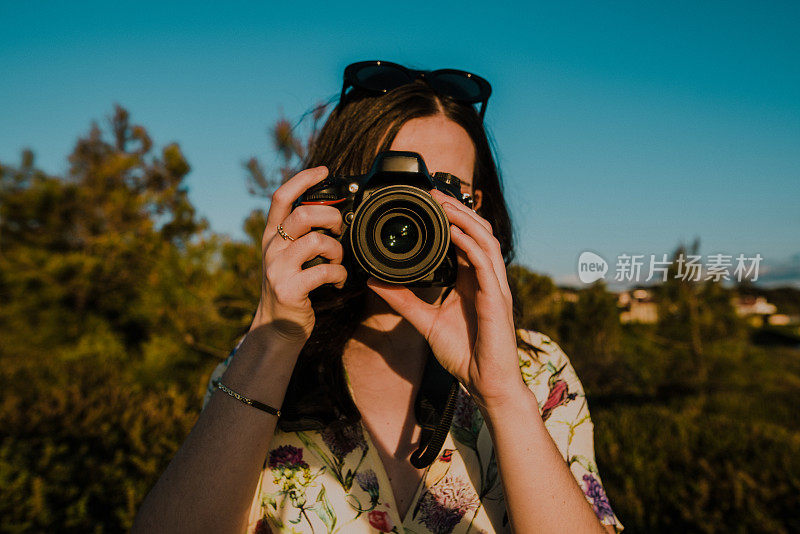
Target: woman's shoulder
<point x="539" y="343"/>
<point x="541" y="359"/>
<point x="549" y="374"/>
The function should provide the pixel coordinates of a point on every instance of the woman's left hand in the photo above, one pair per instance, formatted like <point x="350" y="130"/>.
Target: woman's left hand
<point x="472" y="332"/>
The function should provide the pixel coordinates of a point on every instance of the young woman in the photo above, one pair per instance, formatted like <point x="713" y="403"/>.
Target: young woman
<point x="345" y="373"/>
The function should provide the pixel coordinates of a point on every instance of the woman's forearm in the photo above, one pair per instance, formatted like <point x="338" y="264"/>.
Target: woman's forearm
<point x="209" y="484"/>
<point x="540" y="492"/>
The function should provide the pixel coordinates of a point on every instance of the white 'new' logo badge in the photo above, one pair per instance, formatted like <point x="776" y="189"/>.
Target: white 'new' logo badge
<point x="591" y="267"/>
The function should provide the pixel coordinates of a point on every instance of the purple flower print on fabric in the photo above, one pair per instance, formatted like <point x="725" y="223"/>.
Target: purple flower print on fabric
<point x="595" y="491"/>
<point x="446" y="503"/>
<point x="286" y="456"/>
<point x="342" y="440"/>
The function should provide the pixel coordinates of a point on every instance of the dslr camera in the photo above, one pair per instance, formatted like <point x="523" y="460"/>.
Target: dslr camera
<point x="393" y="228"/>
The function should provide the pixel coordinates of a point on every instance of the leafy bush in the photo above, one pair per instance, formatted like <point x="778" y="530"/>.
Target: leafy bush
<point x="671" y="471"/>
<point x="80" y="447"/>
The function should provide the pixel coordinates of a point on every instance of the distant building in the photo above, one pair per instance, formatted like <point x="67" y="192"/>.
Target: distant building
<point x="637" y="306"/>
<point x="780" y="319"/>
<point x="747" y="305"/>
<point x="566" y="295"/>
<point x="755" y="310"/>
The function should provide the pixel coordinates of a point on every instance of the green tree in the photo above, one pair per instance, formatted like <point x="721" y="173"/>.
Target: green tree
<point x="590" y="326"/>
<point x="536" y="300"/>
<point x="116" y="304"/>
<point x="112" y="260"/>
<point x="694" y="311"/>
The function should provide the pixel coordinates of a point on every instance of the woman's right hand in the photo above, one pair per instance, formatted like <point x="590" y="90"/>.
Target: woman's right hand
<point x="284" y="306"/>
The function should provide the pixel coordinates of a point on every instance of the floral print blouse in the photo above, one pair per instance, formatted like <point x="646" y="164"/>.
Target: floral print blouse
<point x="334" y="481"/>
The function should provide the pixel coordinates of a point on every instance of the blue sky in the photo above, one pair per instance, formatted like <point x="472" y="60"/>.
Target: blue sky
<point x="621" y="127"/>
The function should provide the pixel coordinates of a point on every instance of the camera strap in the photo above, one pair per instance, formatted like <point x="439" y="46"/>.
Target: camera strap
<point x="433" y="408"/>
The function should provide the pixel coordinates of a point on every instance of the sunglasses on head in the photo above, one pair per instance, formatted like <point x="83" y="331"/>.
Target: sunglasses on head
<point x="383" y="76"/>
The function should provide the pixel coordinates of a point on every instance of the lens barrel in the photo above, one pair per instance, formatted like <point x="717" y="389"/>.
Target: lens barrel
<point x="400" y="234"/>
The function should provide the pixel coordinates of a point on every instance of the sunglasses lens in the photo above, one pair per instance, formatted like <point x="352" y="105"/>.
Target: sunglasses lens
<point x="381" y="77"/>
<point x="458" y="86"/>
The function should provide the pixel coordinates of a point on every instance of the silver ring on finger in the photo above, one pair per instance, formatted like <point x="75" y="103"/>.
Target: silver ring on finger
<point x="283" y="234"/>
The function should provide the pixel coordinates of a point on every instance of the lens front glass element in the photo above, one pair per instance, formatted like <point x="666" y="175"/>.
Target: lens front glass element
<point x="399" y="235"/>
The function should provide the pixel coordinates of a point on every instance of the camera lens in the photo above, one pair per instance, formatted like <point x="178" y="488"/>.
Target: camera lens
<point x="399" y="234"/>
